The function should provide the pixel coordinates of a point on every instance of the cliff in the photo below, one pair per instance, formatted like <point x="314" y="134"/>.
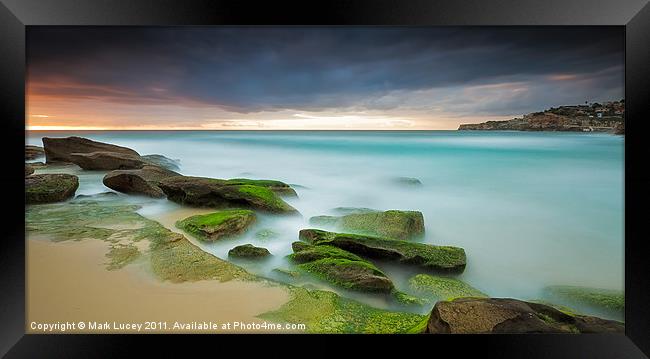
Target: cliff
<point x="608" y="117"/>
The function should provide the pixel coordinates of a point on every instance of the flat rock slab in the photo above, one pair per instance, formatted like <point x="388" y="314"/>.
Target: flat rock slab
<point x="60" y="149"/>
<point x="103" y="160"/>
<point x="390" y="224"/>
<point x="505" y="315"/>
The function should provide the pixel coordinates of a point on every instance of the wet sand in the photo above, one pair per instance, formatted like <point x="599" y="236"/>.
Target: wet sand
<point x="68" y="282"/>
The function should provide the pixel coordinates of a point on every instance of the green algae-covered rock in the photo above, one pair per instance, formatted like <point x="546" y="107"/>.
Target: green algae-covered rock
<point x="217" y="225"/>
<point x="170" y="255"/>
<point x="293" y="274"/>
<point x="350" y="274"/>
<point x="505" y="315"/>
<point x="390" y="224"/>
<point x="277" y="187"/>
<point x="47" y="188"/>
<point x="436" y="258"/>
<point x="307" y="253"/>
<point x="248" y="251"/>
<point x="612" y="301"/>
<point x="217" y="193"/>
<point x="442" y="288"/>
<point x="326" y="312"/>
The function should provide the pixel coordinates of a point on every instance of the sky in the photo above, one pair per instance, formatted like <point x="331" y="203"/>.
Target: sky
<point x="301" y="78"/>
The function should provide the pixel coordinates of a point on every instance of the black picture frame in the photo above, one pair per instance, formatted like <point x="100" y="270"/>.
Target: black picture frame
<point x="634" y="15"/>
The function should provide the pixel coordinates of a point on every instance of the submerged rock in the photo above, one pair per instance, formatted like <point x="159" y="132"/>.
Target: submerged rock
<point x="390" y="224"/>
<point x="102" y="160"/>
<point x="436" y="258"/>
<point x="140" y="181"/>
<point x="442" y="288"/>
<point x="216" y="193"/>
<point x="605" y="300"/>
<point x="248" y="251"/>
<point x="28" y="170"/>
<point x="46" y="188"/>
<point x="407" y="181"/>
<point x="33" y="152"/>
<point x="265" y="234"/>
<point x="353" y="210"/>
<point x="277" y="187"/>
<point x="504" y="315"/>
<point x="162" y="161"/>
<point x="214" y="226"/>
<point x="60" y="149"/>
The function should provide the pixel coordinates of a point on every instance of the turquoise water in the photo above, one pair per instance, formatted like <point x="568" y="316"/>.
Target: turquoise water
<point x="530" y="209"/>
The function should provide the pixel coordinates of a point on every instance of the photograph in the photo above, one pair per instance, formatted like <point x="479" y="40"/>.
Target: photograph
<point x="325" y="179"/>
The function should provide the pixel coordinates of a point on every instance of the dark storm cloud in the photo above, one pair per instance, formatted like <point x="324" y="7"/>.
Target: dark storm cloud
<point x="253" y="69"/>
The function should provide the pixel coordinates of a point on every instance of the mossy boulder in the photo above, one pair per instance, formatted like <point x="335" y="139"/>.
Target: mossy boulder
<point x="604" y="300"/>
<point x="430" y="257"/>
<point x="143" y="181"/>
<point x="505" y="315"/>
<point x="442" y="288"/>
<point x="33" y="152"/>
<point x="217" y="225"/>
<point x="217" y="193"/>
<point x="354" y="275"/>
<point x="277" y="187"/>
<point x="248" y="251"/>
<point x="326" y="312"/>
<point x="390" y="224"/>
<point x="61" y="149"/>
<point x="340" y="267"/>
<point x="47" y="188"/>
<point x="308" y="253"/>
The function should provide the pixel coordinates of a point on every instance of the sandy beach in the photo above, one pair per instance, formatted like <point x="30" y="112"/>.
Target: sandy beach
<point x="68" y="281"/>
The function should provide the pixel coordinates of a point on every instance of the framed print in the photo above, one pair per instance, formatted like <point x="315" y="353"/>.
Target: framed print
<point x="460" y="175"/>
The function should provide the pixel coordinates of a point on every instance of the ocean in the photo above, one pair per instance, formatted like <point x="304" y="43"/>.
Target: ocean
<point x="531" y="209"/>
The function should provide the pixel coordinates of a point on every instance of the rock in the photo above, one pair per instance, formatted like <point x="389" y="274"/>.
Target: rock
<point x="390" y="224"/>
<point x="33" y="152"/>
<point x="605" y="300"/>
<point x="214" y="226"/>
<point x="308" y="253"/>
<point x="436" y="258"/>
<point x="406" y="299"/>
<point x="248" y="251"/>
<point x="619" y="129"/>
<point x="407" y="181"/>
<point x="504" y="315"/>
<point x="46" y="188"/>
<point x="140" y="181"/>
<point x="106" y="160"/>
<point x="356" y="275"/>
<point x="353" y="210"/>
<point x="162" y="161"/>
<point x="277" y="187"/>
<point x="442" y="288"/>
<point x="287" y="272"/>
<point x="28" y="170"/>
<point x="59" y="149"/>
<point x="216" y="193"/>
<point x="36" y="165"/>
<point x="340" y="268"/>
